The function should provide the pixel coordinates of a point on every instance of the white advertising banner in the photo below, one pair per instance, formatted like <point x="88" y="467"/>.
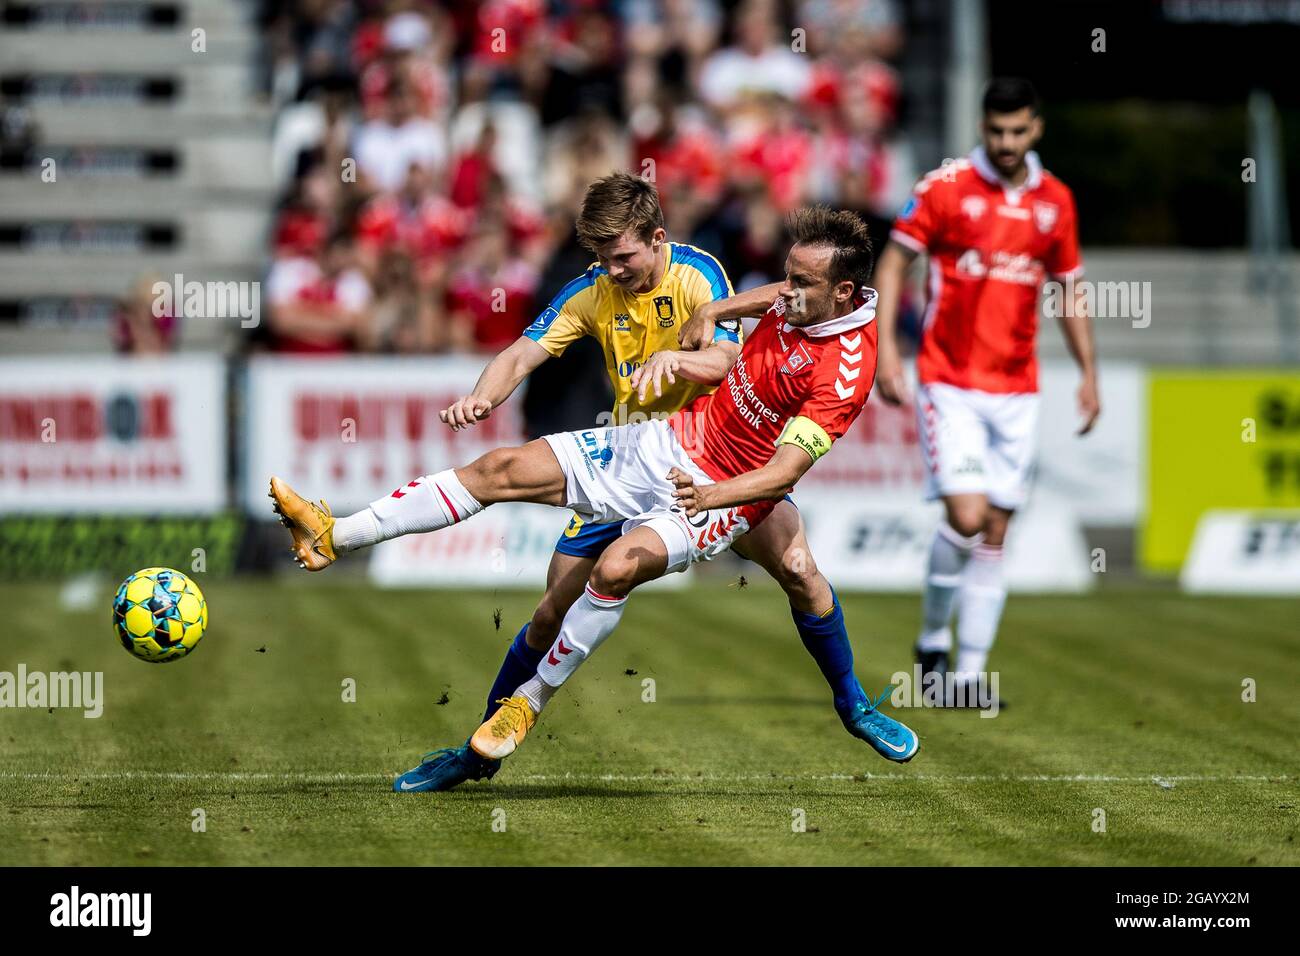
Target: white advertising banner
<point x="1244" y="552"/>
<point x="1097" y="476"/>
<point x="351" y="430"/>
<point x="882" y="545"/>
<point x="112" y="435"/>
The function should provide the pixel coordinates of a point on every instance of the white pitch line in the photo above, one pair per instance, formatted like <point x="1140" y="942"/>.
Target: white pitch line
<point x="309" y="777"/>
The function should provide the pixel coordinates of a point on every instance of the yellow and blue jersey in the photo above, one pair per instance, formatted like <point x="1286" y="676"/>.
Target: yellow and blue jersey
<point x="630" y="327"/>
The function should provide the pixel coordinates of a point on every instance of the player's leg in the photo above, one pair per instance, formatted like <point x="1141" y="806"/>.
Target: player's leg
<point x="779" y="545"/>
<point x="983" y="596"/>
<point x="447" y="768"/>
<point x="638" y="556"/>
<point x="566" y="578"/>
<point x="954" y="446"/>
<point x="1012" y="423"/>
<point x="428" y="503"/>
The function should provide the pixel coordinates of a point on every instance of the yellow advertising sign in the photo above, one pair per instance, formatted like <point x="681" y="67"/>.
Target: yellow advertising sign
<point x="1226" y="439"/>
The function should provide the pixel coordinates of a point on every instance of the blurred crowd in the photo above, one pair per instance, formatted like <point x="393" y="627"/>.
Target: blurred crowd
<point x="433" y="155"/>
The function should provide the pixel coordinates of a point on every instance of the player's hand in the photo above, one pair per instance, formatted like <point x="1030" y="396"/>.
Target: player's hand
<point x="698" y="331"/>
<point x="1089" y="404"/>
<point x="468" y="411"/>
<point x="656" y="368"/>
<point x="689" y="498"/>
<point x="891" y="382"/>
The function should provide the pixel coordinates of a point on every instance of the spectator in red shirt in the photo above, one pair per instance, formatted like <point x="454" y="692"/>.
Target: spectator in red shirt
<point x="318" y="306"/>
<point x="490" y="298"/>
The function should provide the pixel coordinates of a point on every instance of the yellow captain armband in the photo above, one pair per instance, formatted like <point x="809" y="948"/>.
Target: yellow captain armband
<point x="806" y="434"/>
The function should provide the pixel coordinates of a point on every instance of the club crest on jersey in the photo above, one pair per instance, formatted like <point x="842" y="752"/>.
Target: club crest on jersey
<point x="1045" y="214"/>
<point x="664" y="311"/>
<point x="622" y="322"/>
<point x="797" y="361"/>
<point x="974" y="207"/>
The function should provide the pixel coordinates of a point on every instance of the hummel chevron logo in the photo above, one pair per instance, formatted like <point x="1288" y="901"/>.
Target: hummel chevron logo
<point x="559" y="646"/>
<point x="399" y="493"/>
<point x="851" y="355"/>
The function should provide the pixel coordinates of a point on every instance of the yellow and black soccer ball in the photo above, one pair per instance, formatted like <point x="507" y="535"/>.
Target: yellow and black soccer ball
<point x="159" y="615"/>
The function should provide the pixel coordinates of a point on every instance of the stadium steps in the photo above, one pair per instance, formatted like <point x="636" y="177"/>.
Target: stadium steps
<point x="87" y="198"/>
<point x="113" y="51"/>
<point x="162" y="125"/>
<point x="214" y="203"/>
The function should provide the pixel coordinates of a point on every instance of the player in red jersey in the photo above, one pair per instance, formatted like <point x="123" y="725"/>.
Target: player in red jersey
<point x="684" y="489"/>
<point x="994" y="225"/>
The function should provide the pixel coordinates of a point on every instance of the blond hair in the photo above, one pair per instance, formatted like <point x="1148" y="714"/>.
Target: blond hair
<point x="616" y="204"/>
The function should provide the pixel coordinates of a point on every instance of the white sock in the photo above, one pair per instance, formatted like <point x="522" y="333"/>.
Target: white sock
<point x="949" y="554"/>
<point x="429" y="503"/>
<point x="537" y="692"/>
<point x="590" y="620"/>
<point x="983" y="594"/>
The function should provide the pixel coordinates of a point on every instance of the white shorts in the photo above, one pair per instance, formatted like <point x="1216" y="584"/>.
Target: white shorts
<point x="977" y="442"/>
<point x="621" y="473"/>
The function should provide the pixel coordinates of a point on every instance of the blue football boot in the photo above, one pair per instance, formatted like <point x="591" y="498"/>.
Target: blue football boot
<point x="890" y="738"/>
<point x="444" y="769"/>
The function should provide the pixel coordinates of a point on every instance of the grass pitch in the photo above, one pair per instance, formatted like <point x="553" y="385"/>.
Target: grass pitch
<point x="1128" y="701"/>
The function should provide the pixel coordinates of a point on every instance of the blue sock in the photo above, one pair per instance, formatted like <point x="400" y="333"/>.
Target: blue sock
<point x="828" y="643"/>
<point x="520" y="664"/>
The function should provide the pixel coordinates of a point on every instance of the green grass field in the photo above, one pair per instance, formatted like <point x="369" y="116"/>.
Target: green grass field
<point x="1107" y="693"/>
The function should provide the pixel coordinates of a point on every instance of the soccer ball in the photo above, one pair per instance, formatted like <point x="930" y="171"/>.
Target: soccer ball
<point x="159" y="615"/>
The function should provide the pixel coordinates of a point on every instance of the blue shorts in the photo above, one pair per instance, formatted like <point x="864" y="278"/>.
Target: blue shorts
<point x="582" y="540"/>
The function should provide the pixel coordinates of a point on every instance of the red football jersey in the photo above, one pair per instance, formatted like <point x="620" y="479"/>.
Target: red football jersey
<point x="821" y="373"/>
<point x="990" y="247"/>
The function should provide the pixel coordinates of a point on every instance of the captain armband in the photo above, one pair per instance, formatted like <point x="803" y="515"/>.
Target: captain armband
<point x="806" y="434"/>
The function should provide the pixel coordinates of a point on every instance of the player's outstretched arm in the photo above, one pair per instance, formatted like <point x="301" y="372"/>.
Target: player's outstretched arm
<point x="706" y="367"/>
<point x="781" y="473"/>
<point x="697" y="333"/>
<point x="891" y="273"/>
<point x="498" y="381"/>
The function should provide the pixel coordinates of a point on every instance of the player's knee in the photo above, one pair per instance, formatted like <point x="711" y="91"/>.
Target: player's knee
<point x="615" y="574"/>
<point x="797" y="573"/>
<point x="968" y="518"/>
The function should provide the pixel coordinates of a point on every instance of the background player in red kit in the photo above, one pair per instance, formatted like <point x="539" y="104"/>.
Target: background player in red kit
<point x="995" y="225"/>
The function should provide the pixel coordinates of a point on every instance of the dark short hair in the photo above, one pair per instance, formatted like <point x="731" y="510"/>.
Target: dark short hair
<point x="1006" y="94"/>
<point x="615" y="204"/>
<point x="845" y="232"/>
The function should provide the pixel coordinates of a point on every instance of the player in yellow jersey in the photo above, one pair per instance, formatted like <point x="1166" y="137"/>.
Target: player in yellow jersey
<point x="635" y="300"/>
